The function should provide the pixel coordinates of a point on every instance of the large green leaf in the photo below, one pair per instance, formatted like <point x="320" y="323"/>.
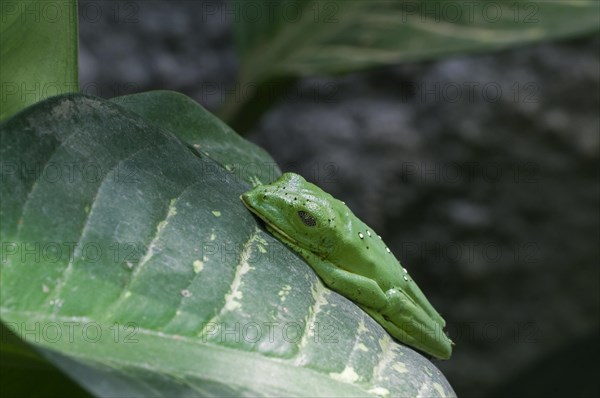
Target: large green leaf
<point x="38" y="52"/>
<point x="296" y="37"/>
<point x="204" y="132"/>
<point x="131" y="259"/>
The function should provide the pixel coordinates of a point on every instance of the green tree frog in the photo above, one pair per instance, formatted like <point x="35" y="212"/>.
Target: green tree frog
<point x="350" y="258"/>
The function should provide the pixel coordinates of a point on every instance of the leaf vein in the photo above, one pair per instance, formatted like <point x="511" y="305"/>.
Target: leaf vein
<point x="320" y="294"/>
<point x="148" y="254"/>
<point x="62" y="279"/>
<point x="242" y="268"/>
<point x="36" y="182"/>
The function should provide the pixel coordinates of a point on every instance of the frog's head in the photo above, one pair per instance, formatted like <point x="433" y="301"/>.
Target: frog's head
<point x="298" y="211"/>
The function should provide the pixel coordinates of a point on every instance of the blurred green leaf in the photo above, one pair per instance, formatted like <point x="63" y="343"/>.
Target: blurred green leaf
<point x="38" y="52"/>
<point x="20" y="364"/>
<point x="132" y="261"/>
<point x="299" y="38"/>
<point x="342" y="36"/>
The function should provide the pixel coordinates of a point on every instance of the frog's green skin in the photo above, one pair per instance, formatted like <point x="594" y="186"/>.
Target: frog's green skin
<point x="350" y="258"/>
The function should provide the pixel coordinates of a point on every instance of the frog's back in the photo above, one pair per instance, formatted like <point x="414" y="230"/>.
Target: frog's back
<point x="364" y="252"/>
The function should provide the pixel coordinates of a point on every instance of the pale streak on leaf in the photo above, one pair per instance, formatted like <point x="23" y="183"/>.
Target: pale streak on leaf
<point x="348" y="375"/>
<point x="400" y="367"/>
<point x="438" y="387"/>
<point x="243" y="267"/>
<point x="160" y="226"/>
<point x="358" y="345"/>
<point x="232" y="298"/>
<point x="379" y="391"/>
<point x="424" y="391"/>
<point x="386" y="357"/>
<point x="319" y="293"/>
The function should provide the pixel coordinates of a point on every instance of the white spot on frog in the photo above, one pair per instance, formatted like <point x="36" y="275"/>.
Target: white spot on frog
<point x="262" y="249"/>
<point x="216" y="213"/>
<point x="362" y="347"/>
<point x="186" y="293"/>
<point x="213" y="237"/>
<point x="127" y="294"/>
<point x="198" y="266"/>
<point x="348" y="375"/>
<point x="229" y="167"/>
<point x="45" y="289"/>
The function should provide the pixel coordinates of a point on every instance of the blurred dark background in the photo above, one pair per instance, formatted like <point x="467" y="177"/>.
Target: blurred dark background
<point x="480" y="172"/>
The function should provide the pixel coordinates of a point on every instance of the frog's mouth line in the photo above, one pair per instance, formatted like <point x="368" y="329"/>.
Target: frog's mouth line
<point x="267" y="223"/>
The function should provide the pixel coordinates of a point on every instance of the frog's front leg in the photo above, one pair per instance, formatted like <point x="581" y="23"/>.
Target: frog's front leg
<point x="364" y="291"/>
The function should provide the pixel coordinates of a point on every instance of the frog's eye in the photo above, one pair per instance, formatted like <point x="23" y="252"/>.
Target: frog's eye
<point x="307" y="219"/>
